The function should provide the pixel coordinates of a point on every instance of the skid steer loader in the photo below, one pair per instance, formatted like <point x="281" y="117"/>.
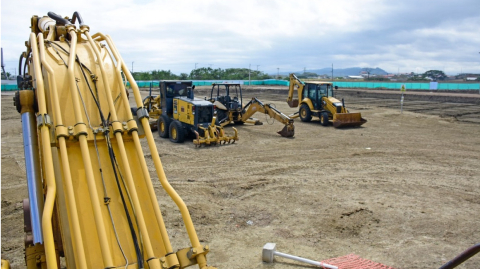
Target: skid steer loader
<point x="176" y="113"/>
<point x="316" y="99"/>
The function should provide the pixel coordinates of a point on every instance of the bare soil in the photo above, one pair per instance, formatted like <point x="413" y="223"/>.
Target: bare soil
<point x="402" y="190"/>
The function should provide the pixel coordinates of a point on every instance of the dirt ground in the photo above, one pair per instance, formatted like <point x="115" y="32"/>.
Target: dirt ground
<point x="402" y="190"/>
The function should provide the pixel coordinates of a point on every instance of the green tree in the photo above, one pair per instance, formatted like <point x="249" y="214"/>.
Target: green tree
<point x="183" y="76"/>
<point x="435" y="75"/>
<point x="6" y="75"/>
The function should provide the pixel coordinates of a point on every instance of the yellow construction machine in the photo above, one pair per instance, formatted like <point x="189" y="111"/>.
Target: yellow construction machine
<point x="176" y="113"/>
<point x="228" y="101"/>
<point x="91" y="198"/>
<point x="317" y="100"/>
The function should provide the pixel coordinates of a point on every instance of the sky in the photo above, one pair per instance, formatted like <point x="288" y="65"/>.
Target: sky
<point x="268" y="35"/>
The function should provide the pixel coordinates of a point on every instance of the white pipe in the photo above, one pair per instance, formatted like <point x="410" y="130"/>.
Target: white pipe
<point x="300" y="259"/>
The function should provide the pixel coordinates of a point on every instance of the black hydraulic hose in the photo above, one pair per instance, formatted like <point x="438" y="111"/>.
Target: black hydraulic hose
<point x="112" y="160"/>
<point x="76" y="16"/>
<point x="130" y="224"/>
<point x="58" y="18"/>
<point x="20" y="65"/>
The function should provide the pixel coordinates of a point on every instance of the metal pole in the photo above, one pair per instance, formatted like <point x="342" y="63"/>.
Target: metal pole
<point x="467" y="254"/>
<point x="332" y="72"/>
<point x="401" y="104"/>
<point x="3" y="66"/>
<point x="300" y="259"/>
<point x="249" y="81"/>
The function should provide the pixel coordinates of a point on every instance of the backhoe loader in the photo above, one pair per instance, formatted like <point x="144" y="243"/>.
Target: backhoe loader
<point x="176" y="113"/>
<point x="229" y="107"/>
<point x="90" y="196"/>
<point x="317" y="101"/>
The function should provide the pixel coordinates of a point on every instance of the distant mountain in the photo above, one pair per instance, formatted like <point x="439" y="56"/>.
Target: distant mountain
<point x="339" y="72"/>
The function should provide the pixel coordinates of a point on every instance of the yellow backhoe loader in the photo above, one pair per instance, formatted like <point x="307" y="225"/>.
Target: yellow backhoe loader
<point x="91" y="198"/>
<point x="229" y="107"/>
<point x="317" y="101"/>
<point x="176" y="113"/>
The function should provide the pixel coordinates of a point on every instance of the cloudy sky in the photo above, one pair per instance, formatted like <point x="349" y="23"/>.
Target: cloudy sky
<point x="397" y="36"/>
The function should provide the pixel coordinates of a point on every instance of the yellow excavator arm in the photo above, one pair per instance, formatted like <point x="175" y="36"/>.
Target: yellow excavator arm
<point x="91" y="196"/>
<point x="294" y="82"/>
<point x="256" y="105"/>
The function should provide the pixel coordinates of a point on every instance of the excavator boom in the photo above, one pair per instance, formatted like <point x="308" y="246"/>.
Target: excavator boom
<point x="256" y="105"/>
<point x="93" y="196"/>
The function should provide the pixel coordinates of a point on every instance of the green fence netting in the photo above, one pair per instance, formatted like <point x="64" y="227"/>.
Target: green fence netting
<point x="408" y="85"/>
<point x="340" y="84"/>
<point x="9" y="87"/>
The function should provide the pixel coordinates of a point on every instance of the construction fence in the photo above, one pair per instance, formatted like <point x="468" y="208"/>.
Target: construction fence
<point x="408" y="85"/>
<point x="340" y="84"/>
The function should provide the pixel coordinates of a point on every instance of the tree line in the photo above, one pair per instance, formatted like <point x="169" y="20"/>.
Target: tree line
<point x="204" y="73"/>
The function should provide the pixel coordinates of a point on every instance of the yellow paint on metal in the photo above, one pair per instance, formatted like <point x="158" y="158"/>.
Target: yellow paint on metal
<point x="184" y="111"/>
<point x="88" y="186"/>
<point x="5" y="264"/>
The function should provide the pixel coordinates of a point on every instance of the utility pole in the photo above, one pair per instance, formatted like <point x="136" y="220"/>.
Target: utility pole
<point x="249" y="81"/>
<point x="257" y="66"/>
<point x="195" y="73"/>
<point x="304" y="70"/>
<point x="3" y="66"/>
<point x="332" y="71"/>
<point x="278" y="72"/>
<point x="132" y="67"/>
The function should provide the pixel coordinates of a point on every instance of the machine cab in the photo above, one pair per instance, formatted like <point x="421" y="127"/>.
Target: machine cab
<point x="173" y="89"/>
<point x="316" y="91"/>
<point x="228" y="94"/>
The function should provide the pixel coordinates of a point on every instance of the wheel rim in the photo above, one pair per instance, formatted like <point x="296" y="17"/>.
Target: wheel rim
<point x="303" y="113"/>
<point x="321" y="119"/>
<point x="162" y="127"/>
<point x="174" y="133"/>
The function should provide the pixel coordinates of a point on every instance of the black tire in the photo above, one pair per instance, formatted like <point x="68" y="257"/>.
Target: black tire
<point x="163" y="126"/>
<point x="324" y="119"/>
<point x="176" y="132"/>
<point x="305" y="113"/>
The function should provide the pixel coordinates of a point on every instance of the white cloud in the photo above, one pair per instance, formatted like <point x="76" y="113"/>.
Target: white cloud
<point x="288" y="34"/>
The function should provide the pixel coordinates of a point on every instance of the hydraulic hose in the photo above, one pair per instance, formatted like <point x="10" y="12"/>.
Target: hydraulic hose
<point x="76" y="16"/>
<point x="58" y="18"/>
<point x="20" y="64"/>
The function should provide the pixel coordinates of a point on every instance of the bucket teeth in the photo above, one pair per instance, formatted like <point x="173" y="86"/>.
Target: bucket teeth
<point x="287" y="131"/>
<point x="214" y="135"/>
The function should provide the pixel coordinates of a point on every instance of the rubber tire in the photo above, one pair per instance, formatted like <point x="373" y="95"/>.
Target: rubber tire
<point x="176" y="132"/>
<point x="305" y="113"/>
<point x="164" y="121"/>
<point x="324" y="119"/>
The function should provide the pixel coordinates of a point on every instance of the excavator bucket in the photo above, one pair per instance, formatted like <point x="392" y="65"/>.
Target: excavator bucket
<point x="348" y="120"/>
<point x="287" y="131"/>
<point x="293" y="103"/>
